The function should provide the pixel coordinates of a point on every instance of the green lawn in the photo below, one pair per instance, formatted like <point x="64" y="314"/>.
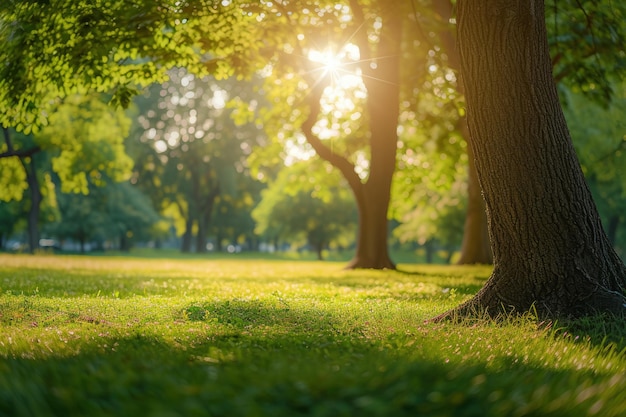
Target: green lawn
<point x="124" y="336"/>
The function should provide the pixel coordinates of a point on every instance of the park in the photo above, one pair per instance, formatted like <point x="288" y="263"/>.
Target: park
<point x="332" y="208"/>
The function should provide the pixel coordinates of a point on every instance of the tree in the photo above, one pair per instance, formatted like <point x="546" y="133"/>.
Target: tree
<point x="9" y="217"/>
<point x="308" y="99"/>
<point x="233" y="220"/>
<point x="296" y="207"/>
<point x="582" y="35"/>
<point x="598" y="135"/>
<point x="83" y="142"/>
<point x="195" y="150"/>
<point x="115" y="211"/>
<point x="550" y="250"/>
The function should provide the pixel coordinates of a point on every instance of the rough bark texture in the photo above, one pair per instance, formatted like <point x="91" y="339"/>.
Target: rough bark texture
<point x="550" y="251"/>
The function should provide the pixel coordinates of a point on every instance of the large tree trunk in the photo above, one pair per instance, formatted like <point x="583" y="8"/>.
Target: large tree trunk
<point x="550" y="251"/>
<point x="372" y="249"/>
<point x="383" y="105"/>
<point x="476" y="248"/>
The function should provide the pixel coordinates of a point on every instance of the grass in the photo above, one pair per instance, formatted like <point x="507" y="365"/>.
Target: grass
<point x="124" y="336"/>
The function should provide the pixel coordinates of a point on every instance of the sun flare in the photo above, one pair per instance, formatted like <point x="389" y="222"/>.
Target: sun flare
<point x="329" y="61"/>
<point x="339" y="66"/>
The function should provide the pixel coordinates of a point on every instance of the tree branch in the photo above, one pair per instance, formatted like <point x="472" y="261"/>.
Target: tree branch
<point x="324" y="152"/>
<point x="11" y="151"/>
<point x="20" y="153"/>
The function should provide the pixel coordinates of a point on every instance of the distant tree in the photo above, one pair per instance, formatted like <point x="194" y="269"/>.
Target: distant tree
<point x="598" y="136"/>
<point x="82" y="142"/>
<point x="233" y="220"/>
<point x="295" y="208"/>
<point x="437" y="221"/>
<point x="9" y="220"/>
<point x="115" y="212"/>
<point x="81" y="219"/>
<point x="196" y="151"/>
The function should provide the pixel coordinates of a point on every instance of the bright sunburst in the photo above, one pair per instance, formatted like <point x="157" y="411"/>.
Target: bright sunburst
<point x="329" y="61"/>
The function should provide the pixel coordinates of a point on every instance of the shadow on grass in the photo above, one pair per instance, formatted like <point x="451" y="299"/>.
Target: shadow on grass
<point x="287" y="375"/>
<point x="604" y="331"/>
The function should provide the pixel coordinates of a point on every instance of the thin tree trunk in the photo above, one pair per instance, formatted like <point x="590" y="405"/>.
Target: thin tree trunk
<point x="35" y="203"/>
<point x="611" y="229"/>
<point x="319" y="248"/>
<point x="429" y="251"/>
<point x="550" y="251"/>
<point x="185" y="246"/>
<point x="204" y="219"/>
<point x="201" y="235"/>
<point x="476" y="247"/>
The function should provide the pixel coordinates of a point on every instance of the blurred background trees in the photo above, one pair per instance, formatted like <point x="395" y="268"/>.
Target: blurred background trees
<point x="226" y="100"/>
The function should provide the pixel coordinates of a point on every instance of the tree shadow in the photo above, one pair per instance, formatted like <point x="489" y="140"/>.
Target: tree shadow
<point x="283" y="374"/>
<point x="604" y="331"/>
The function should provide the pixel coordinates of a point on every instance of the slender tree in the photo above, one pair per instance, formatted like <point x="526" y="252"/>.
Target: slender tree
<point x="550" y="250"/>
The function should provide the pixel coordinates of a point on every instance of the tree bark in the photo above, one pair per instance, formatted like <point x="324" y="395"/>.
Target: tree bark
<point x="550" y="251"/>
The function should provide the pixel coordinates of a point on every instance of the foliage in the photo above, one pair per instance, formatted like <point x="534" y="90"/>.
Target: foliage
<point x="585" y="38"/>
<point x="9" y="220"/>
<point x="13" y="169"/>
<point x="84" y="143"/>
<point x="86" y="137"/>
<point x="100" y="336"/>
<point x="105" y="214"/>
<point x="190" y="155"/>
<point x="57" y="48"/>
<point x="599" y="135"/>
<point x="299" y="208"/>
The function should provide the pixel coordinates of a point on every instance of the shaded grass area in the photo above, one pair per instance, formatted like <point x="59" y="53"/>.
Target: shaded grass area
<point x="104" y="336"/>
